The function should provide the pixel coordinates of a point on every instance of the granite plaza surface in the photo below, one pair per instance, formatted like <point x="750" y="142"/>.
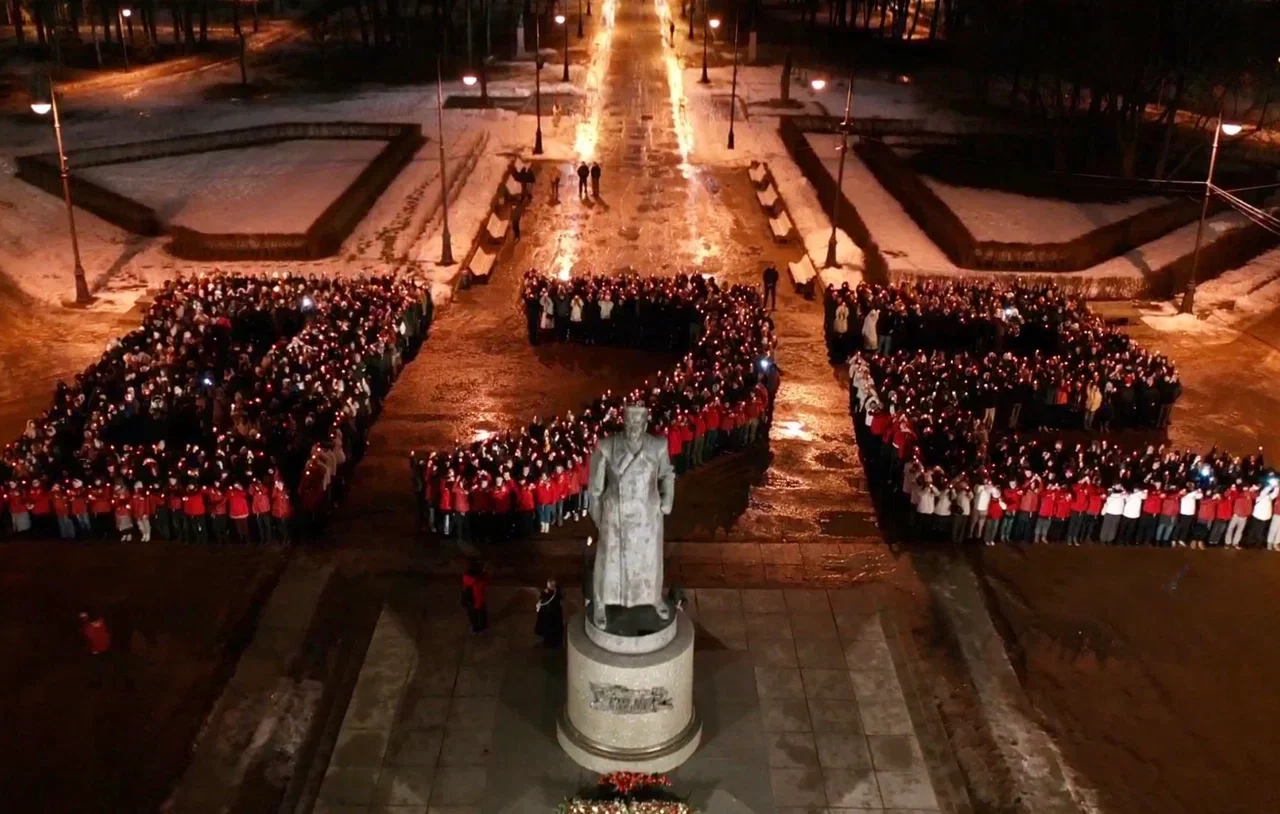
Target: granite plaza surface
<point x="807" y="698"/>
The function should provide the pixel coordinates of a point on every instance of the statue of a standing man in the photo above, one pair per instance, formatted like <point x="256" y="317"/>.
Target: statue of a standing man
<point x="632" y="488"/>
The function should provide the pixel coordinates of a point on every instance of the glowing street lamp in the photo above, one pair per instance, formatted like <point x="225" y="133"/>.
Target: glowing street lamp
<point x="537" y="85"/>
<point x="844" y="148"/>
<point x="560" y="21"/>
<point x="446" y="247"/>
<point x="44" y="100"/>
<point x="818" y="84"/>
<point x="469" y="80"/>
<point x="733" y="94"/>
<point x="714" y="22"/>
<point x="1189" y="295"/>
<point x="122" y="14"/>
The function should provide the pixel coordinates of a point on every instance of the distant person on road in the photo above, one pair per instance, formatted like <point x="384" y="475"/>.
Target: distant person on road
<point x="770" y="287"/>
<point x="583" y="172"/>
<point x="595" y="180"/>
<point x="555" y="189"/>
<point x="671" y="30"/>
<point x="516" y="212"/>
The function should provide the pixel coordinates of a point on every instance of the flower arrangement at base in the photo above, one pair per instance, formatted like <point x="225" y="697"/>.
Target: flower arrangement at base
<point x="628" y="793"/>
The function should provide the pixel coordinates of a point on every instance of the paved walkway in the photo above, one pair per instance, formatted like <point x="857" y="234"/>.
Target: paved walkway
<point x="806" y="698"/>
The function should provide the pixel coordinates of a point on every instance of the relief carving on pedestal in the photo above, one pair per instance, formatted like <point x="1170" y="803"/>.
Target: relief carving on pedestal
<point x="622" y="700"/>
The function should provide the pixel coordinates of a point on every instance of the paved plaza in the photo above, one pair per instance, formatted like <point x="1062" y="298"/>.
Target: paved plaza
<point x="807" y="699"/>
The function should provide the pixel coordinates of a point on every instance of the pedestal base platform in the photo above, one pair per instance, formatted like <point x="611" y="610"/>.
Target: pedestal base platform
<point x="629" y="712"/>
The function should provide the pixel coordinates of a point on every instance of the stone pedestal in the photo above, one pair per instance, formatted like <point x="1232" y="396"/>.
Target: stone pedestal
<point x="630" y="711"/>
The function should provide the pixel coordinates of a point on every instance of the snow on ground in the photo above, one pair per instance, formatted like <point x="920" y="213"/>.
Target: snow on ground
<point x="992" y="214"/>
<point x="757" y="139"/>
<point x="1226" y="303"/>
<point x="403" y="226"/>
<point x="280" y="188"/>
<point x="901" y="241"/>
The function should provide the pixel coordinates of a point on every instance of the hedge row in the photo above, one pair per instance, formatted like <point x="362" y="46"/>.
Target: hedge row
<point x="323" y="238"/>
<point x="945" y="228"/>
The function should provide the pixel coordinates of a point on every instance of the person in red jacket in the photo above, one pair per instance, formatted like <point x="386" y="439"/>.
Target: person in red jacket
<point x="1012" y="497"/>
<point x="178" y="517"/>
<point x="122" y="508"/>
<point x="583" y="465"/>
<point x="41" y="503"/>
<point x="1226" y="505"/>
<point x="216" y="498"/>
<point x="80" y="508"/>
<point x="503" y="498"/>
<point x="62" y="511"/>
<point x="674" y="444"/>
<point x="1168" y="516"/>
<point x="193" y="509"/>
<point x="527" y="506"/>
<point x="260" y="506"/>
<point x="545" y="495"/>
<point x="1079" y="510"/>
<point x="462" y="510"/>
<point x="560" y="480"/>
<point x="281" y="509"/>
<point x="238" y="511"/>
<point x="699" y="424"/>
<point x="1047" y="502"/>
<point x="475" y="584"/>
<point x="1093" y="526"/>
<point x="155" y="503"/>
<point x="1241" y="509"/>
<point x="444" y="503"/>
<point x="1206" y="512"/>
<point x="711" y="415"/>
<point x="1150" y="514"/>
<point x="995" y="519"/>
<point x="481" y="508"/>
<point x="1061" y="513"/>
<point x="100" y="506"/>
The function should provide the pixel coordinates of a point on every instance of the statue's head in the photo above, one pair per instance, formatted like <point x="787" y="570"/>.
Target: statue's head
<point x="635" y="419"/>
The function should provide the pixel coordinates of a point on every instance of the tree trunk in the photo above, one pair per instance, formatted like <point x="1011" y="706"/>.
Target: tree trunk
<point x="204" y="22"/>
<point x="177" y="22"/>
<point x="375" y="15"/>
<point x="884" y="13"/>
<point x="19" y="30"/>
<point x="188" y="26"/>
<point x="915" y="20"/>
<point x="235" y="17"/>
<point x="1170" y="124"/>
<point x="786" y="78"/>
<point x="360" y="21"/>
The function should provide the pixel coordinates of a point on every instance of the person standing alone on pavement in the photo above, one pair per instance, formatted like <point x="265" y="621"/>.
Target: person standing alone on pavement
<point x="516" y="212"/>
<point x="595" y="180"/>
<point x="474" y="585"/>
<point x="549" y="625"/>
<point x="771" y="287"/>
<point x="555" y="189"/>
<point x="582" y="180"/>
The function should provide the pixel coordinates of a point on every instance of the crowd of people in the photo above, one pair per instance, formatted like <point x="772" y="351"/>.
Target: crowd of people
<point x="1024" y="357"/>
<point x="234" y="412"/>
<point x="962" y="364"/>
<point x="718" y="398"/>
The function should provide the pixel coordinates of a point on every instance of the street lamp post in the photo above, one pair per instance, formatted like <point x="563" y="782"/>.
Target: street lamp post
<point x="560" y="20"/>
<point x="588" y="8"/>
<point x="537" y="85"/>
<point x="1189" y="295"/>
<point x="121" y="13"/>
<point x="446" y="248"/>
<point x="714" y="22"/>
<point x="41" y="106"/>
<point x="733" y="94"/>
<point x="844" y="148"/>
<point x="579" y="19"/>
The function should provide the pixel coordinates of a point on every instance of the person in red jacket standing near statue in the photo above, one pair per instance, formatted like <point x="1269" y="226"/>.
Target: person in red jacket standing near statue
<point x="475" y="584"/>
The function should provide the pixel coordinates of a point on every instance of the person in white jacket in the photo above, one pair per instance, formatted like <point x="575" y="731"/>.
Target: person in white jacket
<point x="1260" y="521"/>
<point x="1273" y="528"/>
<point x="1187" y="506"/>
<point x="926" y="502"/>
<point x="982" y="497"/>
<point x="1132" y="513"/>
<point x="1112" y="509"/>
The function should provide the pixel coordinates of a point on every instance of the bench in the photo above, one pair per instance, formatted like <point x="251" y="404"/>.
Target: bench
<point x="481" y="265"/>
<point x="758" y="173"/>
<point x="496" y="228"/>
<point x="768" y="198"/>
<point x="781" y="227"/>
<point x="803" y="274"/>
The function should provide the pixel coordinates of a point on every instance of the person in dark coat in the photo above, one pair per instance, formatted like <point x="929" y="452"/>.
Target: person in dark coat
<point x="771" y="286"/>
<point x="549" y="625"/>
<point x="474" y="585"/>
<point x="583" y="172"/>
<point x="595" y="180"/>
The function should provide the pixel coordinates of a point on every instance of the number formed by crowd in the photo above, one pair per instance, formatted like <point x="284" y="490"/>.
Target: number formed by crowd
<point x="234" y="412"/>
<point x="940" y="390"/>
<point x="717" y="399"/>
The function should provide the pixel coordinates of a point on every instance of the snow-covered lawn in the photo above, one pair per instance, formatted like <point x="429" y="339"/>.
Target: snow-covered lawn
<point x="276" y="188"/>
<point x="1009" y="218"/>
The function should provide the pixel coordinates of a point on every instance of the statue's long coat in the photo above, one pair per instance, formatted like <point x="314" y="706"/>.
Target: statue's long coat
<point x="630" y="492"/>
